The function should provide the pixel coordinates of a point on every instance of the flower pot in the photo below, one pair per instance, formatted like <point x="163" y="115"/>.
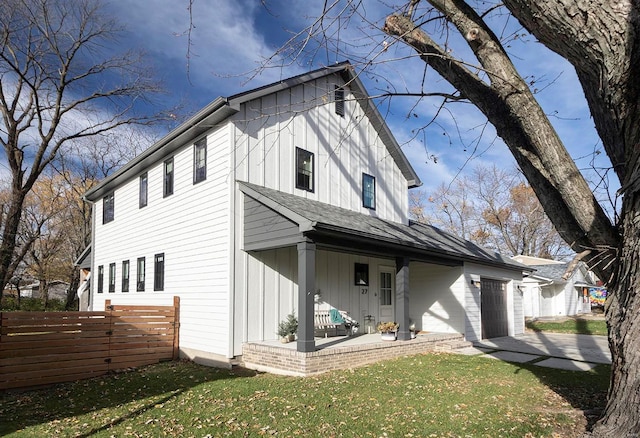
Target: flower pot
<point x="388" y="336"/>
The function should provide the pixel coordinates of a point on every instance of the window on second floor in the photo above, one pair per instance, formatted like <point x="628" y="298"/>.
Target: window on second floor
<point x="144" y="190"/>
<point x="200" y="161"/>
<point x="112" y="277"/>
<point x="140" y="273"/>
<point x="158" y="272"/>
<point x="368" y="191"/>
<point x="100" y="279"/>
<point x="304" y="170"/>
<point x="338" y="98"/>
<point x="108" y="208"/>
<point x="168" y="177"/>
<point x="125" y="276"/>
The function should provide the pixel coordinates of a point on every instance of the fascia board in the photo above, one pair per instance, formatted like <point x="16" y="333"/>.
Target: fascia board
<point x="201" y="122"/>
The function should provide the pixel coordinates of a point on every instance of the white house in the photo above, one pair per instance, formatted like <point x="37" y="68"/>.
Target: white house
<point x="266" y="199"/>
<point x="555" y="288"/>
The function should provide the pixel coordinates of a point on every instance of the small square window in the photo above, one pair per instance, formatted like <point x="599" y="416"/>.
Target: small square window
<point x="108" y="208"/>
<point x="304" y="170"/>
<point x="168" y="178"/>
<point x="144" y="190"/>
<point x="361" y="274"/>
<point x="338" y="98"/>
<point x="368" y="191"/>
<point x="200" y="161"/>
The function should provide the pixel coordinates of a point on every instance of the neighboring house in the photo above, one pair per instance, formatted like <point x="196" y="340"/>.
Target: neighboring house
<point x="555" y="288"/>
<point x="57" y="290"/>
<point x="264" y="203"/>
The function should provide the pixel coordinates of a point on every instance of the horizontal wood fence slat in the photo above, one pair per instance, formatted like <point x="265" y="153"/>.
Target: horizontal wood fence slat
<point x="41" y="348"/>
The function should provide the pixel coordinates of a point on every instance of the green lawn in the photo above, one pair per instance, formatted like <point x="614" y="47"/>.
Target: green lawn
<point x="572" y="325"/>
<point x="424" y="395"/>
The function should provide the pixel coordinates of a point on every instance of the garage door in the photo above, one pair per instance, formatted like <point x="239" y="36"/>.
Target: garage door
<point x="495" y="318"/>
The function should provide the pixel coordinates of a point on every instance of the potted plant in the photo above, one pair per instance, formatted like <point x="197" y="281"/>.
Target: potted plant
<point x="388" y="330"/>
<point x="287" y="328"/>
<point x="412" y="329"/>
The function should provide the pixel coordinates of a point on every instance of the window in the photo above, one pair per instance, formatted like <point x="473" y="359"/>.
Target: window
<point x="368" y="191"/>
<point x="338" y="99"/>
<point x="168" y="177"/>
<point x="100" y="279"/>
<point x="140" y="272"/>
<point x="158" y="272"/>
<point x="107" y="208"/>
<point x="112" y="277"/>
<point x="304" y="170"/>
<point x="386" y="289"/>
<point x="200" y="161"/>
<point x="144" y="190"/>
<point x="125" y="276"/>
<point x="361" y="274"/>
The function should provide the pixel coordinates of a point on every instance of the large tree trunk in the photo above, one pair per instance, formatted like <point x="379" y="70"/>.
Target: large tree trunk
<point x="600" y="39"/>
<point x="9" y="236"/>
<point x="622" y="414"/>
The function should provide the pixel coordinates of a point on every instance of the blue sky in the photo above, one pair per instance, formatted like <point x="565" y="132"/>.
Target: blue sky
<point x="232" y="37"/>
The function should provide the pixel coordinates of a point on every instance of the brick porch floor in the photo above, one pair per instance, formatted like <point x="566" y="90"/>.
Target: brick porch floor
<point x="340" y="352"/>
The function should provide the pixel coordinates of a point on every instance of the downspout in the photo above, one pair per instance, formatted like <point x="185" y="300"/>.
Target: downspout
<point x="93" y="251"/>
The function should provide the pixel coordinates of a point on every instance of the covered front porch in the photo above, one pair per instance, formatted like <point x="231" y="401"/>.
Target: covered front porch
<point x="341" y="352"/>
<point x="305" y="256"/>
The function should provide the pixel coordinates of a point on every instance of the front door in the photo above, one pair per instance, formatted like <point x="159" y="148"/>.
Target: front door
<point x="386" y="294"/>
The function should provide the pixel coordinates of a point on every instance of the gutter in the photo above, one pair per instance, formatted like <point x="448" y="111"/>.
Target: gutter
<point x="160" y="150"/>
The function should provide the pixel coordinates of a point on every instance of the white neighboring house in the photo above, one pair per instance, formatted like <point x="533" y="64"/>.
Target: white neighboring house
<point x="57" y="289"/>
<point x="266" y="199"/>
<point x="555" y="288"/>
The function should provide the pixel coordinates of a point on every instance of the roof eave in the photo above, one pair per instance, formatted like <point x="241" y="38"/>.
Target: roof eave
<point x="204" y="120"/>
<point x="362" y="97"/>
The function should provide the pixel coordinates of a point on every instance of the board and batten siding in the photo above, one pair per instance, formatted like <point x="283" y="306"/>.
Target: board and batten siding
<point x="192" y="228"/>
<point x="270" y="285"/>
<point x="473" y="330"/>
<point x="269" y="129"/>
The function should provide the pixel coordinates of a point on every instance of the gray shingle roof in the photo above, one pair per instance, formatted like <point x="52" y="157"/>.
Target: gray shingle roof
<point x="415" y="236"/>
<point x="552" y="272"/>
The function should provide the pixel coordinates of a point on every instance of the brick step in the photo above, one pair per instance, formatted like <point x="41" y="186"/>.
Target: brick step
<point x="456" y="344"/>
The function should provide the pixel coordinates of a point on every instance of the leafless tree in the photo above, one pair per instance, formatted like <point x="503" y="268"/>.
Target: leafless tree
<point x="494" y="208"/>
<point x="62" y="78"/>
<point x="599" y="38"/>
<point x="80" y="165"/>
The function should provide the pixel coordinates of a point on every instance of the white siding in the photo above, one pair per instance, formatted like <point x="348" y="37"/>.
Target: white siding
<point x="269" y="129"/>
<point x="192" y="229"/>
<point x="437" y="298"/>
<point x="272" y="288"/>
<point x="518" y="308"/>
<point x="473" y="329"/>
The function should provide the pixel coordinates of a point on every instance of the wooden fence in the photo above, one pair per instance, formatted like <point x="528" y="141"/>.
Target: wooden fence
<point x="39" y="348"/>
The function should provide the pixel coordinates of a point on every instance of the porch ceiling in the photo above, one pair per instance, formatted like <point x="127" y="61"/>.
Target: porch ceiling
<point x="341" y="229"/>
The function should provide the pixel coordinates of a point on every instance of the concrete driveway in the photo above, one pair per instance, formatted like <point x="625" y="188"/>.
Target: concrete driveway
<point x="554" y="350"/>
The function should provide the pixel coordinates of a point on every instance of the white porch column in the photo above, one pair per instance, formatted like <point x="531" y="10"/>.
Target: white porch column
<point x="306" y="292"/>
